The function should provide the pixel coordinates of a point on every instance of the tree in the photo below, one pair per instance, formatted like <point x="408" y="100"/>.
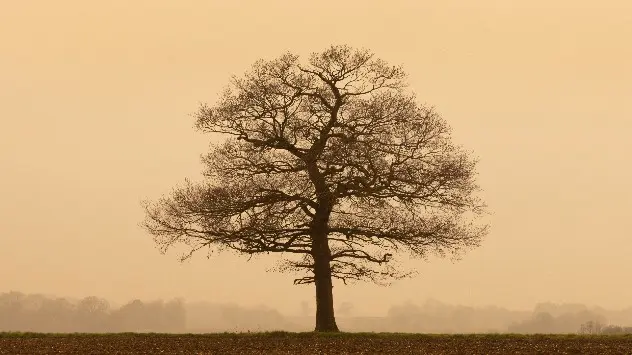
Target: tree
<point x="591" y="327"/>
<point x="331" y="163"/>
<point x="93" y="314"/>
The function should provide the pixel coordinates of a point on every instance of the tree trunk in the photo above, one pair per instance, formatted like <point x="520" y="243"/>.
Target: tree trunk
<point x="325" y="319"/>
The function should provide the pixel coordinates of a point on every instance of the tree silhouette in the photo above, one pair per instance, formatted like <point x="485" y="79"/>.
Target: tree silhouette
<point x="93" y="313"/>
<point x="332" y="163"/>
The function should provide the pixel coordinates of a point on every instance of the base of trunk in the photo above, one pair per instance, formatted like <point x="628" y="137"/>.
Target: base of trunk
<point x="327" y="328"/>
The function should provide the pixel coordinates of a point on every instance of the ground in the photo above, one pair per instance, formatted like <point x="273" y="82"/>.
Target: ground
<point x="311" y="343"/>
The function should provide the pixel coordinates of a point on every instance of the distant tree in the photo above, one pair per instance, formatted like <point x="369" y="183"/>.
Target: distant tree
<point x="596" y="327"/>
<point x="130" y="317"/>
<point x="38" y="313"/>
<point x="12" y="313"/>
<point x="57" y="315"/>
<point x="591" y="327"/>
<point x="332" y="162"/>
<point x="556" y="310"/>
<point x="93" y="314"/>
<point x="540" y="322"/>
<point x="611" y="329"/>
<point x="174" y="316"/>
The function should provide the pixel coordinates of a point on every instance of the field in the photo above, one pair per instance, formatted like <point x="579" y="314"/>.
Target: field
<point x="310" y="343"/>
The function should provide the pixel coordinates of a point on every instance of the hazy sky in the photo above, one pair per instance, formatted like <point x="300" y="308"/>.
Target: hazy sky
<point x="94" y="105"/>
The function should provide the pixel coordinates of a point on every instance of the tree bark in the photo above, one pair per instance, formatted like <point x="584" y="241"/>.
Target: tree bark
<point x="325" y="318"/>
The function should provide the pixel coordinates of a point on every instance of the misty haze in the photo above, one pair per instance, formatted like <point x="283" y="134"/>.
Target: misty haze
<point x="99" y="132"/>
<point x="42" y="313"/>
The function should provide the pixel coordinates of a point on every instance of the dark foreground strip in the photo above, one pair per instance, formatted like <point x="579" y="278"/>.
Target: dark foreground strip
<point x="310" y="343"/>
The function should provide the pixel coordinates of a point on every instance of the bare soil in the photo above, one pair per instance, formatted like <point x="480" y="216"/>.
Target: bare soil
<point x="310" y="343"/>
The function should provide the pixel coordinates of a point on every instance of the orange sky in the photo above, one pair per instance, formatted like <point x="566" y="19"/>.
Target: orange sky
<point x="94" y="107"/>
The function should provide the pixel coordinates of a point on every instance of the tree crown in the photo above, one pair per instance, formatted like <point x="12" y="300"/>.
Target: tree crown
<point x="336" y="144"/>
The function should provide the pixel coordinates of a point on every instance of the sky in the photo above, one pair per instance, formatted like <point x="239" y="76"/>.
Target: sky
<point x="95" y="104"/>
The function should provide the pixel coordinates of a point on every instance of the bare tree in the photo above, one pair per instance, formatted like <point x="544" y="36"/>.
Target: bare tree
<point x="334" y="164"/>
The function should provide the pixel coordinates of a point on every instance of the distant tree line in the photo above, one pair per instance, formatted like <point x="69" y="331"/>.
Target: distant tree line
<point x="544" y="322"/>
<point x="596" y="327"/>
<point x="572" y="318"/>
<point x="39" y="313"/>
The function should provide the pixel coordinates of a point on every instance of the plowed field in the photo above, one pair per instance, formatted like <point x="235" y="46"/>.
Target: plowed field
<point x="310" y="343"/>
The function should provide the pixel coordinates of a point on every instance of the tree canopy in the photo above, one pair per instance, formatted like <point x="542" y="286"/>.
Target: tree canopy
<point x="332" y="162"/>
